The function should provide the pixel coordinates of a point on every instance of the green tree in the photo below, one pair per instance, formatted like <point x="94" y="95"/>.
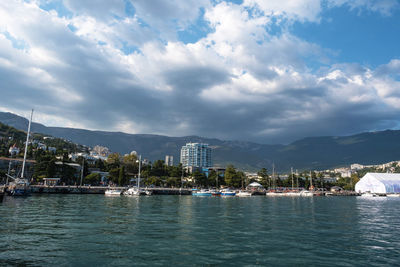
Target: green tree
<point x="200" y="178"/>
<point x="232" y="178"/>
<point x="264" y="181"/>
<point x="93" y="179"/>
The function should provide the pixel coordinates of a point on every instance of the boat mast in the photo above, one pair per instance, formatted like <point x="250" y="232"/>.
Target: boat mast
<point x="273" y="176"/>
<point x="311" y="186"/>
<point x="83" y="166"/>
<point x="140" y="163"/>
<point x="26" y="146"/>
<point x="291" y="172"/>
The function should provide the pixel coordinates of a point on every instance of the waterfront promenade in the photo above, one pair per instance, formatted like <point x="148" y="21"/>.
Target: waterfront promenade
<point x="71" y="189"/>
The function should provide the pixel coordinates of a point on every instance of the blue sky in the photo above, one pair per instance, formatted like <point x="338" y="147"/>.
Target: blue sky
<point x="265" y="71"/>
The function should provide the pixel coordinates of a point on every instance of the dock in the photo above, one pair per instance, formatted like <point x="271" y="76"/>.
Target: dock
<point x="71" y="189"/>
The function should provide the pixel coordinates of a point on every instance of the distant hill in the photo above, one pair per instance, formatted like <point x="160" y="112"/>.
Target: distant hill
<point x="308" y="153"/>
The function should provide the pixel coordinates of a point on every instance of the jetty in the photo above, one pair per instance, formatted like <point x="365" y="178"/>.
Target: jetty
<point x="72" y="189"/>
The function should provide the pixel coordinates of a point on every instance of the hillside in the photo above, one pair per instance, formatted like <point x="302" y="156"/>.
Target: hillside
<point x="308" y="153"/>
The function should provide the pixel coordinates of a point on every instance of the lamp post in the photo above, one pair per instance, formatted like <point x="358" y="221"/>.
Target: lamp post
<point x="140" y="165"/>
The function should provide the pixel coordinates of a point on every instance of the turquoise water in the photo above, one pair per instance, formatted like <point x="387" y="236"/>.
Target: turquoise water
<point x="87" y="230"/>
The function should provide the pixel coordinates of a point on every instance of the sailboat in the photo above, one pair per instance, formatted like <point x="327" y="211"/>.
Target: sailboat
<point x="136" y="191"/>
<point x="20" y="186"/>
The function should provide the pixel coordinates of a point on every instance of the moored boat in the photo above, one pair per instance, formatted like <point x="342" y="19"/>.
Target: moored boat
<point x="368" y="194"/>
<point x="202" y="192"/>
<point x="244" y="193"/>
<point x="134" y="191"/>
<point x="306" y="193"/>
<point x="227" y="193"/>
<point x="113" y="192"/>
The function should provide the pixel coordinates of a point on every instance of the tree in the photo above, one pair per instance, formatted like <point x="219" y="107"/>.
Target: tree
<point x="232" y="178"/>
<point x="114" y="161"/>
<point x="93" y="179"/>
<point x="200" y="178"/>
<point x="263" y="173"/>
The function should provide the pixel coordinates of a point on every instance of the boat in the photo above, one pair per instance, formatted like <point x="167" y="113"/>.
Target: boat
<point x="368" y="194"/>
<point x="393" y="195"/>
<point x="20" y="186"/>
<point x="148" y="192"/>
<point x="306" y="193"/>
<point x="201" y="193"/>
<point x="244" y="193"/>
<point x="1" y="193"/>
<point x="215" y="193"/>
<point x="227" y="193"/>
<point x="113" y="192"/>
<point x="292" y="194"/>
<point x="135" y="191"/>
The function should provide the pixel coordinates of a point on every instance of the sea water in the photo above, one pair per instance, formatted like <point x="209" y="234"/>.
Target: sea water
<point x="96" y="230"/>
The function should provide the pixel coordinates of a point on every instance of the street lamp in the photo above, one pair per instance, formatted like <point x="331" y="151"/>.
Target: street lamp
<point x="140" y="164"/>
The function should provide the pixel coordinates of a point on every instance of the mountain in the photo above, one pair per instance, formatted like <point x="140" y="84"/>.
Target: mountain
<point x="308" y="153"/>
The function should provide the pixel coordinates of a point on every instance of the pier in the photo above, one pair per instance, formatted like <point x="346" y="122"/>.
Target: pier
<point x="71" y="189"/>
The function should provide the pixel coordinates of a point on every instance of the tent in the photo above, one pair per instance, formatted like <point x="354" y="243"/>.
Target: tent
<point x="380" y="183"/>
<point x="255" y="185"/>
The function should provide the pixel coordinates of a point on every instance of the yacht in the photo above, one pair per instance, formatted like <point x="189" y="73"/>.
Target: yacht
<point x="244" y="193"/>
<point x="368" y="194"/>
<point x="202" y="192"/>
<point x="113" y="192"/>
<point x="20" y="186"/>
<point x="134" y="191"/>
<point x="227" y="193"/>
<point x="306" y="193"/>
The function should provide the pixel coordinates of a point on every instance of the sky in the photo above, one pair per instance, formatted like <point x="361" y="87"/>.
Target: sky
<point x="266" y="71"/>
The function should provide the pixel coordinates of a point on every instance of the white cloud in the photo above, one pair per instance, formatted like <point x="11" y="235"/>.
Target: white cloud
<point x="238" y="80"/>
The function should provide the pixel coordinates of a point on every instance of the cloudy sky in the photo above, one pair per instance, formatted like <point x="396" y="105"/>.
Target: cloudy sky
<point x="269" y="71"/>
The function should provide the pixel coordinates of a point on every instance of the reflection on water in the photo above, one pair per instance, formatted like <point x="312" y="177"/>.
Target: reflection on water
<point x="185" y="230"/>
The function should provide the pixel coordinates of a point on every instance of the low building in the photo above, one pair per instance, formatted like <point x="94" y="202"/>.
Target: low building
<point x="14" y="150"/>
<point x="379" y="183"/>
<point x="51" y="181"/>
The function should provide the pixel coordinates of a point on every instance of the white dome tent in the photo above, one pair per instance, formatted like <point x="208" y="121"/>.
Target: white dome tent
<point x="379" y="183"/>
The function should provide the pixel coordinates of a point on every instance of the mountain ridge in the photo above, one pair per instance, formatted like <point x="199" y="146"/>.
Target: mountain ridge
<point x="321" y="152"/>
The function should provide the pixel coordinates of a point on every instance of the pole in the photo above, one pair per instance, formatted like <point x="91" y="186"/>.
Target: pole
<point x="297" y="179"/>
<point x="26" y="146"/>
<point x="311" y="180"/>
<point x="182" y="177"/>
<point x="83" y="166"/>
<point x="140" y="165"/>
<point x="291" y="172"/>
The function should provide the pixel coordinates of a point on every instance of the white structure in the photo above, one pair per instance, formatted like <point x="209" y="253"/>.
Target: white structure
<point x="379" y="183"/>
<point x="169" y="160"/>
<point x="14" y="150"/>
<point x="196" y="155"/>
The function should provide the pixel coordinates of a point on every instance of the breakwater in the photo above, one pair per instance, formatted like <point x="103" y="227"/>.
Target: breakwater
<point x="60" y="189"/>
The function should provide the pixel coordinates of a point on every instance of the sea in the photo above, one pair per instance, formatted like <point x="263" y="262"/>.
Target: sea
<point x="98" y="230"/>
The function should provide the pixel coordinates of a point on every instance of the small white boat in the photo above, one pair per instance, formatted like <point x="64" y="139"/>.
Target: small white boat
<point x="393" y="195"/>
<point x="113" y="192"/>
<point x="201" y="193"/>
<point x="243" y="193"/>
<point x="292" y="194"/>
<point x="134" y="191"/>
<point x="149" y="192"/>
<point x="306" y="193"/>
<point x="368" y="194"/>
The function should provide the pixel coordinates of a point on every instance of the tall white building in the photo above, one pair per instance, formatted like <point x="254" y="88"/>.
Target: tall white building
<point x="169" y="160"/>
<point x="196" y="155"/>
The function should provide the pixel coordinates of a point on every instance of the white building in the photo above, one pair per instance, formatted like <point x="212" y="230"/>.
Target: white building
<point x="196" y="155"/>
<point x="380" y="183"/>
<point x="169" y="160"/>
